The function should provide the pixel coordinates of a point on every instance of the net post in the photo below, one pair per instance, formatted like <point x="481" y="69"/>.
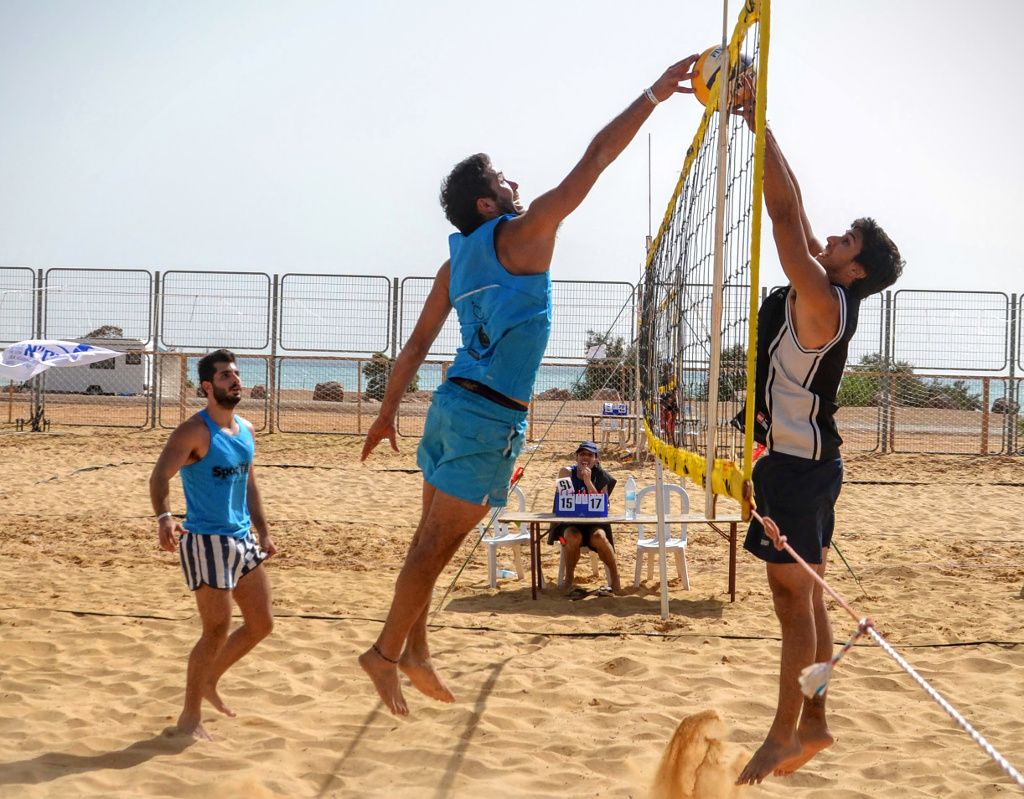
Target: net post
<point x="659" y="509"/>
<point x="716" y="297"/>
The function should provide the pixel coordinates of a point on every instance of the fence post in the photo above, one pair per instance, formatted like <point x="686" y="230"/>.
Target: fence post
<point x="359" y="397"/>
<point x="984" y="414"/>
<point x="156" y="378"/>
<point x="887" y="415"/>
<point x="272" y="399"/>
<point x="182" y="383"/>
<point x="394" y="343"/>
<point x="529" y="424"/>
<point x="37" y="382"/>
<point x="1012" y="409"/>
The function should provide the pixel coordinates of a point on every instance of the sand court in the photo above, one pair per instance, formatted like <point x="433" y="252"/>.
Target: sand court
<point x="563" y="698"/>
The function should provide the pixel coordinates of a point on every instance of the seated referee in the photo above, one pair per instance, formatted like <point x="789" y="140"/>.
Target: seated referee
<point x="587" y="475"/>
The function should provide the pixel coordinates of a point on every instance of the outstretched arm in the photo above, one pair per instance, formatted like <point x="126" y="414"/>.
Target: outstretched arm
<point x="432" y="317"/>
<point x="784" y="206"/>
<point x="749" y="91"/>
<point x="816" y="306"/>
<point x="527" y="242"/>
<point x="814" y="246"/>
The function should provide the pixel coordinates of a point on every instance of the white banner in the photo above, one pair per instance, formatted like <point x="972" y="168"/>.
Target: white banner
<point x="28" y="358"/>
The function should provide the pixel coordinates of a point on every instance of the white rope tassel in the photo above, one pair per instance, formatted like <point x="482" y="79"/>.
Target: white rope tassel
<point x="979" y="739"/>
<point x="814" y="678"/>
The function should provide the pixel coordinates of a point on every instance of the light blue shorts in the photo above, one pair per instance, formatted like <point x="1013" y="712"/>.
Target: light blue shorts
<point x="470" y="445"/>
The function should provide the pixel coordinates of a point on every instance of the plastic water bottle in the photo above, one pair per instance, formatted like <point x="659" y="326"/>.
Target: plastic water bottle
<point x="630" y="498"/>
<point x="505" y="574"/>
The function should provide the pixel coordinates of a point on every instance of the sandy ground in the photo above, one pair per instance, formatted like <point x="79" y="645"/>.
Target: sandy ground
<point x="555" y="698"/>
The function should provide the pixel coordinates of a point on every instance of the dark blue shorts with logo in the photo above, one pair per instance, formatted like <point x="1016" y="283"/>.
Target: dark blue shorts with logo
<point x="799" y="495"/>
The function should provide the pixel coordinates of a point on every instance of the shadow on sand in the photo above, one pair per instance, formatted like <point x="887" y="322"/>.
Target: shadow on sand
<point x="55" y="765"/>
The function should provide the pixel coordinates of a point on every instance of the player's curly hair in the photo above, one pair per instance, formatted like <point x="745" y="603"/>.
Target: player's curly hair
<point x="879" y="256"/>
<point x="466" y="183"/>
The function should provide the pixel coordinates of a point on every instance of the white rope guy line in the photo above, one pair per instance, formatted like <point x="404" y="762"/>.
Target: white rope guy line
<point x="817" y="674"/>
<point x="976" y="736"/>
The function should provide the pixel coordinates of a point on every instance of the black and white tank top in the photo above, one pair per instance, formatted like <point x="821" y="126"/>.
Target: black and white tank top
<point x="797" y="387"/>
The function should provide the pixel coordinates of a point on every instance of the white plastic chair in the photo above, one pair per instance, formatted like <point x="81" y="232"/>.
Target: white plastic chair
<point x="595" y="564"/>
<point x="649" y="546"/>
<point x="613" y="425"/>
<point x="505" y="535"/>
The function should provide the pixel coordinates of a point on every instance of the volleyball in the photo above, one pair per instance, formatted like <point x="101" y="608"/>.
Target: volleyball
<point x="706" y="69"/>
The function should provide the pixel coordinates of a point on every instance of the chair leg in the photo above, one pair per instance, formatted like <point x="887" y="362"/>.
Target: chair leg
<point x="492" y="567"/>
<point x="561" y="566"/>
<point x="684" y="574"/>
<point x="518" y="559"/>
<point x="639" y="566"/>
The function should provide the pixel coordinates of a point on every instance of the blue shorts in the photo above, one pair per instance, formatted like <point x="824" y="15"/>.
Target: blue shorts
<point x="470" y="445"/>
<point x="800" y="497"/>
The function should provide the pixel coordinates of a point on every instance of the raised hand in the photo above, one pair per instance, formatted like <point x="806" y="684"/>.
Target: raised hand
<point x="669" y="83"/>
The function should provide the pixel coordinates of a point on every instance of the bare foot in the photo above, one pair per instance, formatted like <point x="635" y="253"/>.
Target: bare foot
<point x="384" y="676"/>
<point x="210" y="695"/>
<point x="813" y="738"/>
<point x="769" y="757"/>
<point x="421" y="674"/>
<point x="192" y="726"/>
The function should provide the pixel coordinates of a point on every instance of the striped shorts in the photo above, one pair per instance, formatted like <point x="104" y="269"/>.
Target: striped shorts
<point x="218" y="561"/>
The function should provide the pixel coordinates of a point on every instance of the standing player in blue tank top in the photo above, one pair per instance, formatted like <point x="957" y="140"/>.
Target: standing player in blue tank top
<point x="221" y="558"/>
<point x="803" y="335"/>
<point x="498" y="282"/>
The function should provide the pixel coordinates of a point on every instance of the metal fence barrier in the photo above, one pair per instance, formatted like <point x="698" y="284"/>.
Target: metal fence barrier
<point x="928" y="371"/>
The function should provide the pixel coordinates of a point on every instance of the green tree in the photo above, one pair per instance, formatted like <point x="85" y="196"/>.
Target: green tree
<point x="732" y="375"/>
<point x="377" y="370"/>
<point x="863" y="384"/>
<point x="615" y="368"/>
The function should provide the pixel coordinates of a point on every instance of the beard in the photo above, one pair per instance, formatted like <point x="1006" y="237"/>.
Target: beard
<point x="509" y="207"/>
<point x="224" y="399"/>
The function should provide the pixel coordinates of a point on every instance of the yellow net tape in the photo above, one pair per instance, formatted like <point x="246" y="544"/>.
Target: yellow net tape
<point x="677" y="289"/>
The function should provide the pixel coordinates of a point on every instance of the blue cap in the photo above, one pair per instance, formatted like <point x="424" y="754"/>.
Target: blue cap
<point x="587" y="446"/>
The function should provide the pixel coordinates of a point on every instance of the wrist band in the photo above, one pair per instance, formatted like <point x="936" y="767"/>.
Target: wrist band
<point x="164" y="515"/>
<point x="650" y="96"/>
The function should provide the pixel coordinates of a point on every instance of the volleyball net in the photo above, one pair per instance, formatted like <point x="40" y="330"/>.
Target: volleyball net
<point x="699" y="291"/>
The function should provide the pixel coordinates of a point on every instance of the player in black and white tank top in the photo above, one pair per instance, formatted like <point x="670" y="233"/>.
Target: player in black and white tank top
<point x="803" y="334"/>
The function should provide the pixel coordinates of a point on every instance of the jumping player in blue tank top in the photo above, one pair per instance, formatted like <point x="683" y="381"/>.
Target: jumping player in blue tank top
<point x="497" y="281"/>
<point x="220" y="557"/>
<point x="803" y="333"/>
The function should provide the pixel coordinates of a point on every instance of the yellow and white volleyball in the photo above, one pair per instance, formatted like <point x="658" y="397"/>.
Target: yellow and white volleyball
<point x="706" y="69"/>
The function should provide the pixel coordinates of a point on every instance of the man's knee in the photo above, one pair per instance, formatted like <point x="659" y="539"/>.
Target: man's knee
<point x="436" y="542"/>
<point x="600" y="544"/>
<point x="573" y="539"/>
<point x="261" y="625"/>
<point x="792" y="589"/>
<point x="216" y="630"/>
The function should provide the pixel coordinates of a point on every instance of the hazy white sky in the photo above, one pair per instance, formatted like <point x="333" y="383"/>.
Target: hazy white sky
<point x="312" y="136"/>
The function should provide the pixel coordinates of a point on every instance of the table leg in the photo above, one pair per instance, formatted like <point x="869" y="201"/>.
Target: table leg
<point x="534" y="547"/>
<point x="540" y="571"/>
<point x="732" y="561"/>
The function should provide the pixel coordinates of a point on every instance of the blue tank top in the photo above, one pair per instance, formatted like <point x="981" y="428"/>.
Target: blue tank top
<point x="215" y="485"/>
<point x="504" y="319"/>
